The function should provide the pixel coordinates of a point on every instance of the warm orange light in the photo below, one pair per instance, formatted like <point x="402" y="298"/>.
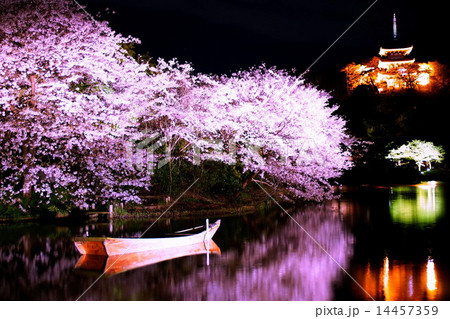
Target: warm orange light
<point x="424" y="79"/>
<point x="425" y="67"/>
<point x="431" y="276"/>
<point x="386" y="278"/>
<point x="389" y="74"/>
<point x="396" y="280"/>
<point x="387" y="64"/>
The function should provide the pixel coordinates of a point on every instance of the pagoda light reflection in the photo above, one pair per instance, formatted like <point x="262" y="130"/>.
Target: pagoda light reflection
<point x="393" y="279"/>
<point x="386" y="278"/>
<point x="431" y="275"/>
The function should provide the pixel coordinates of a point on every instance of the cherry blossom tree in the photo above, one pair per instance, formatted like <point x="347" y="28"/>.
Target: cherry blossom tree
<point x="285" y="131"/>
<point x="70" y="98"/>
<point x="421" y="152"/>
<point x="276" y="127"/>
<point x="78" y="114"/>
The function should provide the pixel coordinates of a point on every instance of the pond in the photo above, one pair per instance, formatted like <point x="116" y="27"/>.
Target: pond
<point x="382" y="243"/>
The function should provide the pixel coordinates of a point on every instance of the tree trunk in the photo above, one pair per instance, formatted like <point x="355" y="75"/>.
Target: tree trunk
<point x="248" y="180"/>
<point x="33" y="90"/>
<point x="27" y="188"/>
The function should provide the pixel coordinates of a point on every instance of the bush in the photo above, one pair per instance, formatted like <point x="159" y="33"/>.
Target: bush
<point x="10" y="212"/>
<point x="216" y="178"/>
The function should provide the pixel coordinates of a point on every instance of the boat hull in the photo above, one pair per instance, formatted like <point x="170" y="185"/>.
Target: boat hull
<point x="119" y="246"/>
<point x="112" y="265"/>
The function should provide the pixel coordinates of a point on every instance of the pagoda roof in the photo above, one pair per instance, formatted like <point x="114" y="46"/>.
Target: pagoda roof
<point x="404" y="60"/>
<point x="387" y="63"/>
<point x="396" y="44"/>
<point x="398" y="52"/>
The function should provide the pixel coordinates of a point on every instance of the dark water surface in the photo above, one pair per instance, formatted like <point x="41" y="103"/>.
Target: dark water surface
<point x="393" y="241"/>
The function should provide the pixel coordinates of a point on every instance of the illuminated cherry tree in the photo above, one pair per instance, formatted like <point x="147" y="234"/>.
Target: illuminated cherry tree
<point x="285" y="131"/>
<point x="273" y="124"/>
<point x="421" y="152"/>
<point x="76" y="108"/>
<point x="70" y="98"/>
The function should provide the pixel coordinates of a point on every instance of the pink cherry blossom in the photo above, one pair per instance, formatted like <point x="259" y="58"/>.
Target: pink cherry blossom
<point x="269" y="121"/>
<point x="77" y="114"/>
<point x="69" y="100"/>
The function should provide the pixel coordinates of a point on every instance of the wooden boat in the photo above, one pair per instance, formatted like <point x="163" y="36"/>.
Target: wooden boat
<point x="112" y="265"/>
<point x="118" y="246"/>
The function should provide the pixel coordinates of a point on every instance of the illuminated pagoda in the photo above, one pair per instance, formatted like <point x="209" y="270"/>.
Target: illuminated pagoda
<point x="394" y="68"/>
<point x="397" y="68"/>
<point x="395" y="55"/>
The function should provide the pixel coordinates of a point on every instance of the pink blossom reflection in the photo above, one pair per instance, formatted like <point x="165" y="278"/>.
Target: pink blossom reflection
<point x="283" y="264"/>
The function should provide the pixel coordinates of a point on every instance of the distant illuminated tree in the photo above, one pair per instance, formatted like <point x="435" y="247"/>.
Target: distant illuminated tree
<point x="371" y="72"/>
<point x="440" y="75"/>
<point x="352" y="75"/>
<point x="361" y="74"/>
<point x="421" y="152"/>
<point x="408" y="75"/>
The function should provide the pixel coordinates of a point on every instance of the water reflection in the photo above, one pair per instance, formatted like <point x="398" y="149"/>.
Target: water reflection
<point x="419" y="205"/>
<point x="36" y="268"/>
<point x="265" y="255"/>
<point x="117" y="264"/>
<point x="431" y="275"/>
<point x="285" y="265"/>
<point x="396" y="280"/>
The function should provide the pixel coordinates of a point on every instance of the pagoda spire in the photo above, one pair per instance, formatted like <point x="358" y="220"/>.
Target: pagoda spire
<point x="394" y="27"/>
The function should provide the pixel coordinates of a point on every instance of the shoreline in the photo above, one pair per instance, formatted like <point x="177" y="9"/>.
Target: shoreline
<point x="188" y="208"/>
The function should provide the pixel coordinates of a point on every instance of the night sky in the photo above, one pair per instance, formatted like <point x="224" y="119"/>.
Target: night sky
<point x="223" y="36"/>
